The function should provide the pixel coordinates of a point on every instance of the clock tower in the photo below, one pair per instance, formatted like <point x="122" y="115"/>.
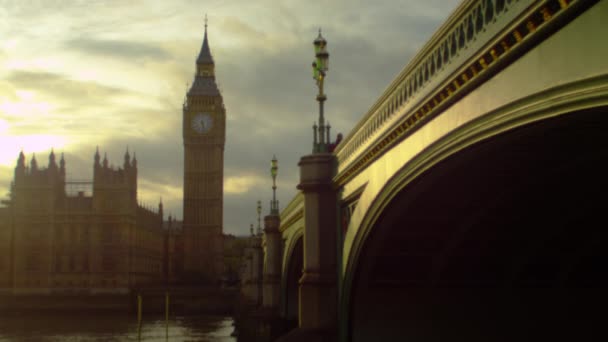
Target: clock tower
<point x="204" y="133"/>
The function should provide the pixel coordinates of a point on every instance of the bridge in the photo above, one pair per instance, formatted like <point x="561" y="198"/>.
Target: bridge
<point x="467" y="203"/>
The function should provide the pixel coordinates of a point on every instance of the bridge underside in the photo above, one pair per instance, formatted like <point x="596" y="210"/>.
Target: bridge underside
<point x="505" y="240"/>
<point x="294" y="273"/>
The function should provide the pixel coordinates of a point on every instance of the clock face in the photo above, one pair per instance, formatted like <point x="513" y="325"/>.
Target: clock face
<point x="202" y="123"/>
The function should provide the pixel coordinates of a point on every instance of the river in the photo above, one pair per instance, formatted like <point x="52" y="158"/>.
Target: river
<point x="112" y="327"/>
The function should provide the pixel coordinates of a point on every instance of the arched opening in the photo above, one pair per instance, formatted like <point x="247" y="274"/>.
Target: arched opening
<point x="503" y="241"/>
<point x="295" y="264"/>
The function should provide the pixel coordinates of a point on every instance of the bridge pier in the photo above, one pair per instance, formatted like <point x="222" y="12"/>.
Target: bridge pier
<point x="252" y="289"/>
<point x="317" y="291"/>
<point x="272" y="272"/>
<point x="258" y="319"/>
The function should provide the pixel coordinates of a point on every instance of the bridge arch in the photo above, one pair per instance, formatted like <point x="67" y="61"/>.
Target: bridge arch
<point x="408" y="259"/>
<point x="292" y="272"/>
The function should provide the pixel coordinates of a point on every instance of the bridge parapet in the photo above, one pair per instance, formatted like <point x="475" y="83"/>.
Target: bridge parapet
<point x="475" y="38"/>
<point x="292" y="212"/>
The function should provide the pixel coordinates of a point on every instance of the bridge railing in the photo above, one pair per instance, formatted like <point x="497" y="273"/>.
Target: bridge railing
<point x="420" y="87"/>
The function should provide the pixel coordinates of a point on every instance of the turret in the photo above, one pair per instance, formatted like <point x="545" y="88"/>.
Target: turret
<point x="21" y="161"/>
<point x="52" y="162"/>
<point x="133" y="175"/>
<point x="105" y="160"/>
<point x="127" y="163"/>
<point x="34" y="163"/>
<point x="97" y="157"/>
<point x="160" y="209"/>
<point x="62" y="166"/>
<point x="96" y="164"/>
<point x="20" y="168"/>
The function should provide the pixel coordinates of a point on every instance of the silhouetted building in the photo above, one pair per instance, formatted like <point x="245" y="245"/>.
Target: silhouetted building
<point x="55" y="241"/>
<point x="174" y="251"/>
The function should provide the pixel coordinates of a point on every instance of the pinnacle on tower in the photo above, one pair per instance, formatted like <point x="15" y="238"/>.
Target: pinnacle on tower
<point x="97" y="156"/>
<point x="52" y="162"/>
<point x="160" y="207"/>
<point x="127" y="163"/>
<point x="34" y="163"/>
<point x="21" y="160"/>
<point x="105" y="159"/>
<point x="204" y="57"/>
<point x="62" y="164"/>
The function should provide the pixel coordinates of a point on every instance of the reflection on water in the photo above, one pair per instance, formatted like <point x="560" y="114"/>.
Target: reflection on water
<point x="112" y="327"/>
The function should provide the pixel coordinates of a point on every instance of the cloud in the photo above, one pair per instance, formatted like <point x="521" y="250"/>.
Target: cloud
<point x="75" y="108"/>
<point x="113" y="74"/>
<point x="59" y="85"/>
<point x="132" y="51"/>
<point x="239" y="184"/>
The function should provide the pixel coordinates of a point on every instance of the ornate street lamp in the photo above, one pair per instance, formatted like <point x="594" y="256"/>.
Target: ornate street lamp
<point x="259" y="213"/>
<point x="319" y="72"/>
<point x="274" y="204"/>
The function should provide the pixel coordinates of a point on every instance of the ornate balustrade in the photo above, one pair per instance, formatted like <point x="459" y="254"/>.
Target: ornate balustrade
<point x="475" y="39"/>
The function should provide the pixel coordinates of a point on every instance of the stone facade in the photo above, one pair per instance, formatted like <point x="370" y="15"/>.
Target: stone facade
<point x="53" y="241"/>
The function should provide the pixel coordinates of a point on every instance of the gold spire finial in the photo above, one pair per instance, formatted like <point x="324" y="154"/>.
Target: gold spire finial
<point x="205" y="21"/>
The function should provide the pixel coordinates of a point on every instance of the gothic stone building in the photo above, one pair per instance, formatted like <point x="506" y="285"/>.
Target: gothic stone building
<point x="52" y="241"/>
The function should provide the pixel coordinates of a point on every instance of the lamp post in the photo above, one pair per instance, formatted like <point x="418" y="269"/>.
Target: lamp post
<point x="259" y="208"/>
<point x="272" y="269"/>
<point x="274" y="204"/>
<point x="319" y="71"/>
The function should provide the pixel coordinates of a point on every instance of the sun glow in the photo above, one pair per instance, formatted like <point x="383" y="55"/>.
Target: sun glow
<point x="12" y="145"/>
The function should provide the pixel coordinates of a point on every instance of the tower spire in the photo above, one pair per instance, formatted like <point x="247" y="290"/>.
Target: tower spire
<point x="62" y="165"/>
<point x="204" y="79"/>
<point x="204" y="57"/>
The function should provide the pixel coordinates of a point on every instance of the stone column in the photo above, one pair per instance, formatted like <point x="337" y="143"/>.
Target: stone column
<point x="318" y="293"/>
<point x="248" y="275"/>
<point x="257" y="260"/>
<point x="272" y="271"/>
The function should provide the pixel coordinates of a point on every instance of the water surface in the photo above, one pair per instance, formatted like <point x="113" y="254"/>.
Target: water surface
<point x="112" y="327"/>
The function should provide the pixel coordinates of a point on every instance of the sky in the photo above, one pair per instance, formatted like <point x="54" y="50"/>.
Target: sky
<point x="77" y="74"/>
